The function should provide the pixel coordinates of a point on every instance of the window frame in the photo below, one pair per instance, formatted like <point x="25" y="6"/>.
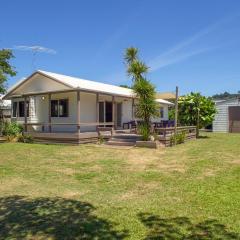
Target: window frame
<point x="54" y="111"/>
<point x="21" y="107"/>
<point x="17" y="112"/>
<point x="66" y="112"/>
<point x="58" y="103"/>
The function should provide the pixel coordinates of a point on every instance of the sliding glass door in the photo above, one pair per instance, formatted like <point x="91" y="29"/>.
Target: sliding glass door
<point x="105" y="112"/>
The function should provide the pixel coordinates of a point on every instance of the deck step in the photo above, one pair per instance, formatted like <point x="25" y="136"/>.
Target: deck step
<point x="115" y="143"/>
<point x="123" y="139"/>
<point x="127" y="136"/>
<point x="124" y="131"/>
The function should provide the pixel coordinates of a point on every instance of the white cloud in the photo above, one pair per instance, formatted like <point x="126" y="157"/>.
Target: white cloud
<point x="176" y="54"/>
<point x="168" y="60"/>
<point x="35" y="49"/>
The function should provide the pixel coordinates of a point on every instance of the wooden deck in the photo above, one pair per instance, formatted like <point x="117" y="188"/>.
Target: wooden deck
<point x="64" y="138"/>
<point x="165" y="135"/>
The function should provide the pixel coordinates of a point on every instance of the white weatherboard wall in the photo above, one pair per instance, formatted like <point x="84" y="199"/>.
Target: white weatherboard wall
<point x="165" y="113"/>
<point x="87" y="111"/>
<point x="126" y="111"/>
<point x="221" y="121"/>
<point x="40" y="84"/>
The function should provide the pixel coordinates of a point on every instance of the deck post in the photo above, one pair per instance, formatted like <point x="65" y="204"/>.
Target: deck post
<point x="176" y="117"/>
<point x="132" y="108"/>
<point x="78" y="111"/>
<point x="113" y="112"/>
<point x="97" y="110"/>
<point x="25" y="114"/>
<point x="49" y="113"/>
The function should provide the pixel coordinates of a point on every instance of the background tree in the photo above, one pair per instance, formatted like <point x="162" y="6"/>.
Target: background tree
<point x="125" y="86"/>
<point x="146" y="106"/>
<point x="196" y="110"/>
<point x="226" y="95"/>
<point x="5" y="68"/>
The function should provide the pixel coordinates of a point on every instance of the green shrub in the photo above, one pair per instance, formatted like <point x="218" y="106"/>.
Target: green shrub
<point x="12" y="129"/>
<point x="180" y="138"/>
<point x="25" y="138"/>
<point x="101" y="139"/>
<point x="144" y="130"/>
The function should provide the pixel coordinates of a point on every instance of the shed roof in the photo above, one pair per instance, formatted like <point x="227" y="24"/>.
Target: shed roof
<point x="223" y="101"/>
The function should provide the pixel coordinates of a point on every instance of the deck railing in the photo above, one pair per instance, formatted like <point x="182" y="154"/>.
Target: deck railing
<point x="47" y="127"/>
<point x="166" y="135"/>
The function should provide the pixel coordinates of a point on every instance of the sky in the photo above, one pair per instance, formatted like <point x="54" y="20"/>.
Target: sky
<point x="190" y="44"/>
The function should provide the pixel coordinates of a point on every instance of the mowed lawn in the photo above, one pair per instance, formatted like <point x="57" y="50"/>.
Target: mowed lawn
<point x="191" y="191"/>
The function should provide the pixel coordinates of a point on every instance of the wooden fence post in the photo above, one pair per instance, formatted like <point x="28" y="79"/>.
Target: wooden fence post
<point x="176" y="117"/>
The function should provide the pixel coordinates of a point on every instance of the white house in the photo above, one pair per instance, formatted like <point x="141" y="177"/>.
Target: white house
<point x="227" y="118"/>
<point x="50" y="103"/>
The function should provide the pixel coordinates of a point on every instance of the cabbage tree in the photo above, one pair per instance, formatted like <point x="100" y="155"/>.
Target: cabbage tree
<point x="146" y="106"/>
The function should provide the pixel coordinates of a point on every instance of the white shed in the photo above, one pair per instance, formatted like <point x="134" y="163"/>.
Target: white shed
<point x="227" y="118"/>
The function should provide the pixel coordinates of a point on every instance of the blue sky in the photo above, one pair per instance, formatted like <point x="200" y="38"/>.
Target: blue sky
<point x="192" y="44"/>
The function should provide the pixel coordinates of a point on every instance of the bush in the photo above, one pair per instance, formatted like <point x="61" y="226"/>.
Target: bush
<point x="144" y="130"/>
<point x="180" y="138"/>
<point x="25" y="138"/>
<point x="101" y="139"/>
<point x="11" y="138"/>
<point x="12" y="129"/>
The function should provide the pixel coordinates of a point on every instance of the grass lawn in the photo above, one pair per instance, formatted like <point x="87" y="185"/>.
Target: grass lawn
<point x="191" y="191"/>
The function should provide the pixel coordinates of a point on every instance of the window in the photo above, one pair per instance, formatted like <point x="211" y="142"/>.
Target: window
<point x="101" y="112"/>
<point x="21" y="109"/>
<point x="63" y="108"/>
<point x="54" y="108"/>
<point x="59" y="108"/>
<point x="14" y="113"/>
<point x="161" y="112"/>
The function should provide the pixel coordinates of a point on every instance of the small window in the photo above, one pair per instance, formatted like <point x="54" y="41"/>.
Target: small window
<point x="63" y="108"/>
<point x="161" y="112"/>
<point x="14" y="109"/>
<point x="59" y="108"/>
<point x="27" y="108"/>
<point x="21" y="109"/>
<point x="101" y="112"/>
<point x="54" y="108"/>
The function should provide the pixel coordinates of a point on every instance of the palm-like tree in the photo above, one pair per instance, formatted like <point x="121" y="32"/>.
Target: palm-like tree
<point x="144" y="90"/>
<point x="131" y="54"/>
<point x="135" y="68"/>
